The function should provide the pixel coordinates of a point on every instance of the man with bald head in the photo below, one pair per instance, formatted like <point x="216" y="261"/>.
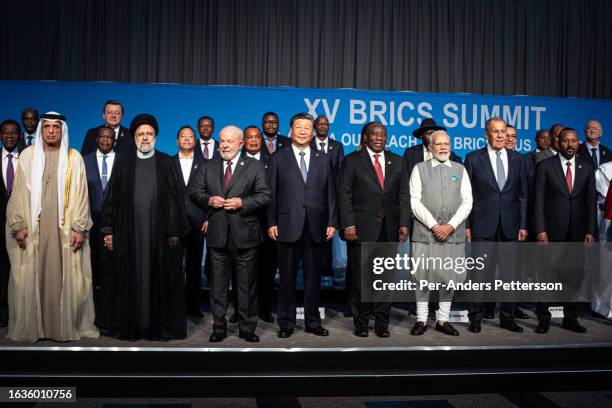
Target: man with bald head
<point x="233" y="189"/>
<point x="591" y="148"/>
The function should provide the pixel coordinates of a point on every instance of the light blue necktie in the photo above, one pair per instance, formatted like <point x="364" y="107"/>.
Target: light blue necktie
<point x="501" y="175"/>
<point x="104" y="173"/>
<point x="303" y="166"/>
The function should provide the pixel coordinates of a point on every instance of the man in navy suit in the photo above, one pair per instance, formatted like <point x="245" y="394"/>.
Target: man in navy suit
<point x="99" y="167"/>
<point x="272" y="139"/>
<point x="10" y="133"/>
<point x="267" y="257"/>
<point x="499" y="212"/>
<point x="301" y="218"/>
<point x="369" y="212"/>
<point x="112" y="113"/>
<point x="187" y="163"/>
<point x="591" y="148"/>
<point x="565" y="211"/>
<point x="29" y="120"/>
<point x="323" y="143"/>
<point x="207" y="147"/>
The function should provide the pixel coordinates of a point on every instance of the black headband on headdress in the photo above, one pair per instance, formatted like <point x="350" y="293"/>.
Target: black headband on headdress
<point x="53" y="116"/>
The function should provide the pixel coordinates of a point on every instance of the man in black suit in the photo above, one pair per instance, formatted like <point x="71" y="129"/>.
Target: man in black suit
<point x="29" y="120"/>
<point x="324" y="144"/>
<point x="234" y="190"/>
<point x="207" y="148"/>
<point x="565" y="211"/>
<point x="98" y="168"/>
<point x="499" y="212"/>
<point x="591" y="148"/>
<point x="272" y="139"/>
<point x="187" y="163"/>
<point x="368" y="199"/>
<point x="267" y="257"/>
<point x="301" y="218"/>
<point x="112" y="113"/>
<point x="10" y="132"/>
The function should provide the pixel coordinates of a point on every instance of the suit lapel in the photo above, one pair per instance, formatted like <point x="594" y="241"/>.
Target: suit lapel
<point x="561" y="176"/>
<point x="290" y="157"/>
<point x="390" y="164"/>
<point x="484" y="157"/>
<point x="195" y="164"/>
<point x="512" y="162"/>
<point x="313" y="168"/>
<point x="241" y="164"/>
<point x="98" y="174"/>
<point x="579" y="177"/>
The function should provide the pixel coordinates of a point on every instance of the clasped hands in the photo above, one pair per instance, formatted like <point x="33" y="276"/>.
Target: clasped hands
<point x="76" y="239"/>
<point x="229" y="204"/>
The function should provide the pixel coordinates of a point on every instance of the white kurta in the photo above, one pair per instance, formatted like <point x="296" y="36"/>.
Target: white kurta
<point x="76" y="304"/>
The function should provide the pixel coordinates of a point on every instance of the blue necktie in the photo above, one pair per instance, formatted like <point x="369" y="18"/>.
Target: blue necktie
<point x="104" y="173"/>
<point x="594" y="157"/>
<point x="323" y="147"/>
<point x="303" y="166"/>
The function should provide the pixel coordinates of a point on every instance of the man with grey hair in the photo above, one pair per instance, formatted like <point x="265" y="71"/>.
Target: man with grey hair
<point x="233" y="189"/>
<point x="591" y="149"/>
<point x="439" y="226"/>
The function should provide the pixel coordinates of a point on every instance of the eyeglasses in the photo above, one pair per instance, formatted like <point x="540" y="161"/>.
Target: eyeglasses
<point x="592" y="128"/>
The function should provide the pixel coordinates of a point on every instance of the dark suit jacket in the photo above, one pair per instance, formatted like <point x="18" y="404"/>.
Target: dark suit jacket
<point x="361" y="200"/>
<point x="124" y="143"/>
<point x="195" y="215"/>
<point x="335" y="150"/>
<point x="605" y="155"/>
<point x="264" y="157"/>
<point x="492" y="205"/>
<point x="94" y="184"/>
<point x="294" y="202"/>
<point x="248" y="183"/>
<point x="4" y="198"/>
<point x="559" y="213"/>
<point x="412" y="156"/>
<point x="213" y="154"/>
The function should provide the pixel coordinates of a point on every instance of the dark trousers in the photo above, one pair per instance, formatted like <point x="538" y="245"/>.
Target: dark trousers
<point x="194" y="247"/>
<point x="243" y="261"/>
<point x="326" y="267"/>
<point x="5" y="269"/>
<point x="503" y="257"/>
<point x="289" y="255"/>
<point x="267" y="265"/>
<point x="363" y="310"/>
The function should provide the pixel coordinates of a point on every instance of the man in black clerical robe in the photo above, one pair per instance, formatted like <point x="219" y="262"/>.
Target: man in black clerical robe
<point x="143" y="220"/>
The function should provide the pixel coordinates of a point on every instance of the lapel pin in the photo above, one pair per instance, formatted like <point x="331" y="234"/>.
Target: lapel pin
<point x="330" y="147"/>
<point x="317" y="154"/>
<point x="242" y="163"/>
<point x="195" y="166"/>
<point x="580" y="166"/>
<point x="388" y="162"/>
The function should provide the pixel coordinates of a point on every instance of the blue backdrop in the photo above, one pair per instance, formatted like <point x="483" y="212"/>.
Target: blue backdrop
<point x="347" y="109"/>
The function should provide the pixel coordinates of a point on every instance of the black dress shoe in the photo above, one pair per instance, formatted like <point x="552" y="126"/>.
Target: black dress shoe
<point x="542" y="328"/>
<point x="249" y="337"/>
<point x="510" y="325"/>
<point x="489" y="316"/>
<point x="217" y="337"/>
<point x="196" y="314"/>
<point x="361" y="332"/>
<point x="597" y="315"/>
<point x="234" y="317"/>
<point x="266" y="317"/>
<point x="573" y="325"/>
<point x="317" y="331"/>
<point x="383" y="333"/>
<point x="285" y="333"/>
<point x="418" y="329"/>
<point x="474" y="326"/>
<point x="447" y="329"/>
<point x="519" y="314"/>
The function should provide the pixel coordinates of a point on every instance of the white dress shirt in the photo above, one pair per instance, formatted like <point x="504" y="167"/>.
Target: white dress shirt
<point x="110" y="160"/>
<point x="186" y="163"/>
<point x="589" y="146"/>
<point x="116" y="130"/>
<point x="256" y="156"/>
<point x="15" y="161"/>
<point x="234" y="164"/>
<point x="318" y="143"/>
<point x="572" y="163"/>
<point x="381" y="159"/>
<point x="422" y="213"/>
<point x="298" y="158"/>
<point x="211" y="146"/>
<point x="426" y="154"/>
<point x="493" y="159"/>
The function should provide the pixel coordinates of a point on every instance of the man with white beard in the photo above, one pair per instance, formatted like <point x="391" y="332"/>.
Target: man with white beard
<point x="143" y="219"/>
<point x="441" y="200"/>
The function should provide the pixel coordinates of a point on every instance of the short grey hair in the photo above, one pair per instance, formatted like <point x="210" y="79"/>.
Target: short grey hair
<point x="232" y="129"/>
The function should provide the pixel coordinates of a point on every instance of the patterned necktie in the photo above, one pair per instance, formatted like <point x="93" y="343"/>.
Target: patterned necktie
<point x="322" y="147"/>
<point x="303" y="166"/>
<point x="227" y="178"/>
<point x="568" y="176"/>
<point x="104" y="177"/>
<point x="10" y="174"/>
<point x="501" y="175"/>
<point x="205" y="151"/>
<point x="271" y="146"/>
<point x="594" y="157"/>
<point x="379" y="171"/>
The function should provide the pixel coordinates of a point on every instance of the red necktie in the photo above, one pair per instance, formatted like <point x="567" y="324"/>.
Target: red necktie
<point x="379" y="172"/>
<point x="227" y="178"/>
<point x="568" y="176"/>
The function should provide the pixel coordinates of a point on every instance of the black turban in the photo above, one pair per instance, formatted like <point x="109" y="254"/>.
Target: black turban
<point x="144" y="119"/>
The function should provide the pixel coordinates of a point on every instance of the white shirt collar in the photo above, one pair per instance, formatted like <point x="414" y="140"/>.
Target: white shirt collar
<point x="297" y="151"/>
<point x="109" y="154"/>
<point x="255" y="156"/>
<point x="5" y="153"/>
<point x="234" y="161"/>
<point x="589" y="146"/>
<point x="564" y="160"/>
<point x="493" y="151"/>
<point x="435" y="162"/>
<point x="371" y="153"/>
<point x="181" y="156"/>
